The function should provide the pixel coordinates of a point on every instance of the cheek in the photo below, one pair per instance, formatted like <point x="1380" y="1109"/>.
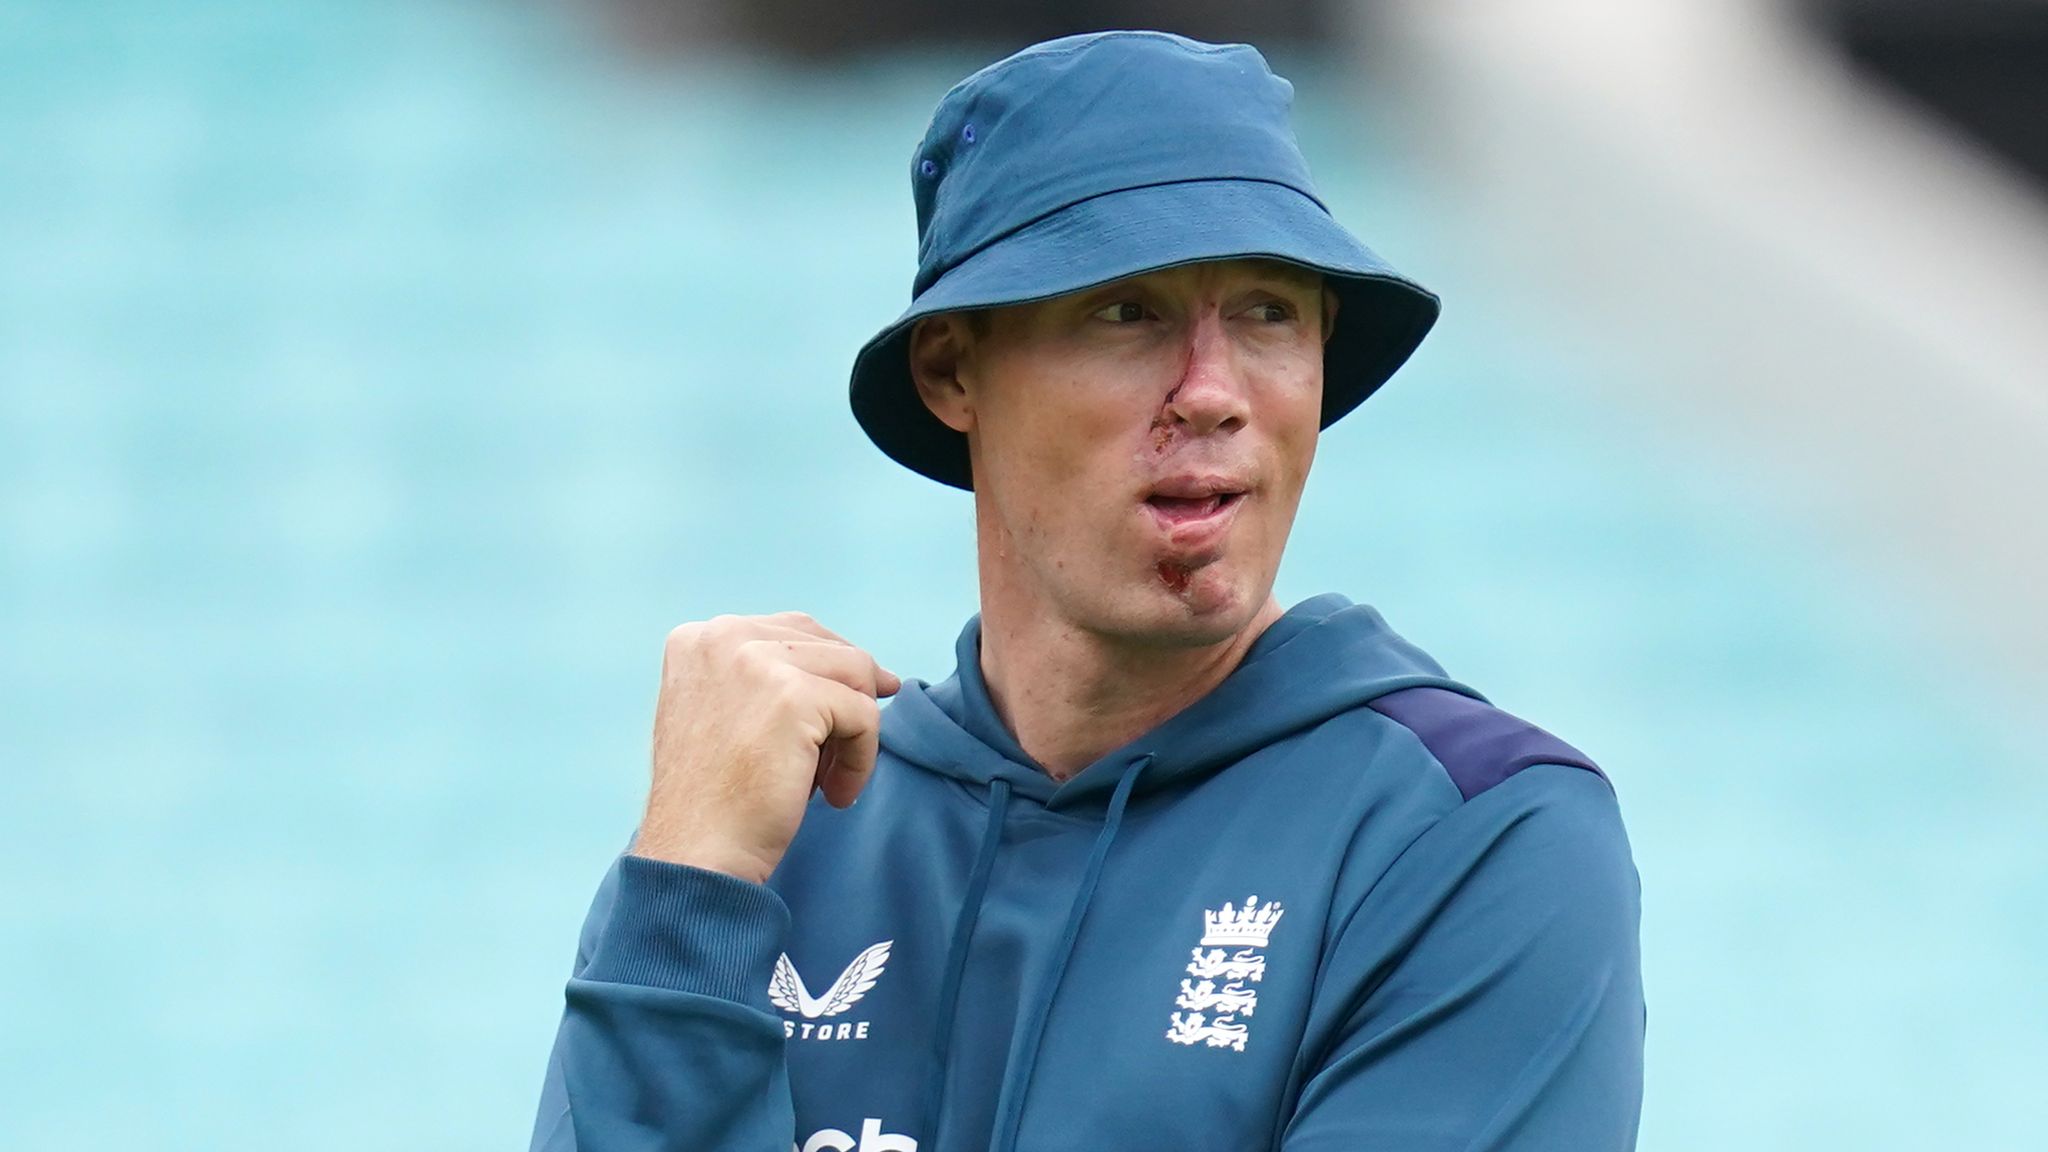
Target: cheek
<point x="1057" y="463"/>
<point x="1293" y="413"/>
<point x="1297" y="443"/>
<point x="1056" y="452"/>
<point x="1075" y="437"/>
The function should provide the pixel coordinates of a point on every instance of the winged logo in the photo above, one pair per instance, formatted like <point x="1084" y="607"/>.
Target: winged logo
<point x="786" y="989"/>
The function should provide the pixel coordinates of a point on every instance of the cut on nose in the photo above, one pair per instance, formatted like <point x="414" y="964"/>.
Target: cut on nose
<point x="1210" y="394"/>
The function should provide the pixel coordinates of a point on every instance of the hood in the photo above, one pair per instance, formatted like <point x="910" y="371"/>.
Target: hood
<point x="1326" y="655"/>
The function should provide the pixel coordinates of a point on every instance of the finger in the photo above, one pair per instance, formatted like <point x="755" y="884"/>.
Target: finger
<point x="853" y="765"/>
<point x="773" y="628"/>
<point x="853" y="745"/>
<point x="840" y="663"/>
<point x="802" y="622"/>
<point x="827" y="752"/>
<point x="797" y="625"/>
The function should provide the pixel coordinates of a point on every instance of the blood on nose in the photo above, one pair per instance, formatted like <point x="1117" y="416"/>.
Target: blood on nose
<point x="1205" y="392"/>
<point x="1162" y="434"/>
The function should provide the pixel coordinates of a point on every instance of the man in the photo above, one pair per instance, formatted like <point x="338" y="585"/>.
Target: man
<point x="1162" y="865"/>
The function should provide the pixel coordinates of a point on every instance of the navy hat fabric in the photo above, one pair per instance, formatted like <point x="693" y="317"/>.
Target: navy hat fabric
<point x="1091" y="158"/>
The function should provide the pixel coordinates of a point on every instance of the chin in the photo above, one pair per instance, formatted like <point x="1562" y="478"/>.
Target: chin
<point x="1184" y="607"/>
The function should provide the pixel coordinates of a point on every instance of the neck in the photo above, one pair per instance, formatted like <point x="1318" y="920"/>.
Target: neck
<point x="1070" y="695"/>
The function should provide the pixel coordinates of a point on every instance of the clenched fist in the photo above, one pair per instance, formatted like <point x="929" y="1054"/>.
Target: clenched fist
<point x="755" y="713"/>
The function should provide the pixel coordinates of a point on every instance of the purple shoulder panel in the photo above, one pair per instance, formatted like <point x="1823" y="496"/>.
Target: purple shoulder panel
<point x="1478" y="744"/>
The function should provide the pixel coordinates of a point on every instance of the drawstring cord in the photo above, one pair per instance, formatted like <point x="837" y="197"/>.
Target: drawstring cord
<point x="1010" y="1103"/>
<point x="956" y="959"/>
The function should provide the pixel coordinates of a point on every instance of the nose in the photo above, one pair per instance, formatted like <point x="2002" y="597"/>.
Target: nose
<point x="1212" y="394"/>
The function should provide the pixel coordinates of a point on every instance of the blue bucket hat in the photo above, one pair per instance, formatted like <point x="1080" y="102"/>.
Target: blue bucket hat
<point x="1092" y="158"/>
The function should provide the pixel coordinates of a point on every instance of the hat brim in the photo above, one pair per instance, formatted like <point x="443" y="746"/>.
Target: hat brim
<point x="1382" y="315"/>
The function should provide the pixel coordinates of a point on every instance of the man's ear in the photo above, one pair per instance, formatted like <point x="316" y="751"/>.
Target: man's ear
<point x="938" y="348"/>
<point x="1330" y="303"/>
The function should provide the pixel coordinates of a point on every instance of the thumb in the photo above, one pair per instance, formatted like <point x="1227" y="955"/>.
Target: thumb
<point x="852" y="763"/>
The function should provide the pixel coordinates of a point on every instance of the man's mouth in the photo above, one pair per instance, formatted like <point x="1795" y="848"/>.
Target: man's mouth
<point x="1191" y="509"/>
<point x="1194" y="510"/>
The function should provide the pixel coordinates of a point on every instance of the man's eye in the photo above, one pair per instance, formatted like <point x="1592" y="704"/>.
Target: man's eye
<point x="1121" y="312"/>
<point x="1274" y="311"/>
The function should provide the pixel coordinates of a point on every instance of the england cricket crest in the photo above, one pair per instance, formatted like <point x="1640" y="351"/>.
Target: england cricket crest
<point x="1217" y="993"/>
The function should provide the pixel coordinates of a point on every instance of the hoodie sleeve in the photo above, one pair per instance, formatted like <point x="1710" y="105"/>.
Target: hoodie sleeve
<point x="1487" y="994"/>
<point x="667" y="1040"/>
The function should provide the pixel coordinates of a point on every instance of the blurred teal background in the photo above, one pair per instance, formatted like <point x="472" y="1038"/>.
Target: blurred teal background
<point x="380" y="381"/>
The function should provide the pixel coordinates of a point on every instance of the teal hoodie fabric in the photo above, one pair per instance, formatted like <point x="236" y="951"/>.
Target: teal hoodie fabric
<point x="1340" y="902"/>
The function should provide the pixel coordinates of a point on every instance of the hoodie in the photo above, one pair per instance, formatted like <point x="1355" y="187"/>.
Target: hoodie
<point x="1339" y="902"/>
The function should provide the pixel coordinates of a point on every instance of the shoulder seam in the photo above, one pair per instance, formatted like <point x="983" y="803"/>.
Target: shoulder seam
<point x="1477" y="744"/>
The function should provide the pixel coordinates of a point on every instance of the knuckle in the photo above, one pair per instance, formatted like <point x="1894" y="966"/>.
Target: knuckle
<point x="786" y="684"/>
<point x="683" y="637"/>
<point x="757" y="657"/>
<point x="729" y="632"/>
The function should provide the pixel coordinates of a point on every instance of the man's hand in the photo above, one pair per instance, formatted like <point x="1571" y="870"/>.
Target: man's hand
<point x="755" y="712"/>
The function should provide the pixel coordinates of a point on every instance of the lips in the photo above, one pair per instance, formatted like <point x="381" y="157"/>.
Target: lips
<point x="1193" y="512"/>
<point x="1190" y="509"/>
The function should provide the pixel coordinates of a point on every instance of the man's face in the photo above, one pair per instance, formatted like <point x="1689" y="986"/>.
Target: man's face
<point x="1139" y="449"/>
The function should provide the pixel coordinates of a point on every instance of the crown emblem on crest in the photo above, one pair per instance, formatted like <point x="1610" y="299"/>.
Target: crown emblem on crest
<point x="1245" y="927"/>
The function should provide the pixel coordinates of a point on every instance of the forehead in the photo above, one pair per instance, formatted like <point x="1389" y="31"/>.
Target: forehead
<point x="1236" y="269"/>
<point x="1232" y="273"/>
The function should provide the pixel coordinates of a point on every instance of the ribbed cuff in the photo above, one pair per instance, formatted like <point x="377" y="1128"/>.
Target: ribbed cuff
<point x="690" y="929"/>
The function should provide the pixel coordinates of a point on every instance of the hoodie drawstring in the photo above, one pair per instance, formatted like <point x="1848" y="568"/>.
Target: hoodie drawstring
<point x="956" y="959"/>
<point x="1010" y="1102"/>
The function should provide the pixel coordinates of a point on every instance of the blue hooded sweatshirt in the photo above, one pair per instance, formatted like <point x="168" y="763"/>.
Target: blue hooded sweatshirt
<point x="1340" y="902"/>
